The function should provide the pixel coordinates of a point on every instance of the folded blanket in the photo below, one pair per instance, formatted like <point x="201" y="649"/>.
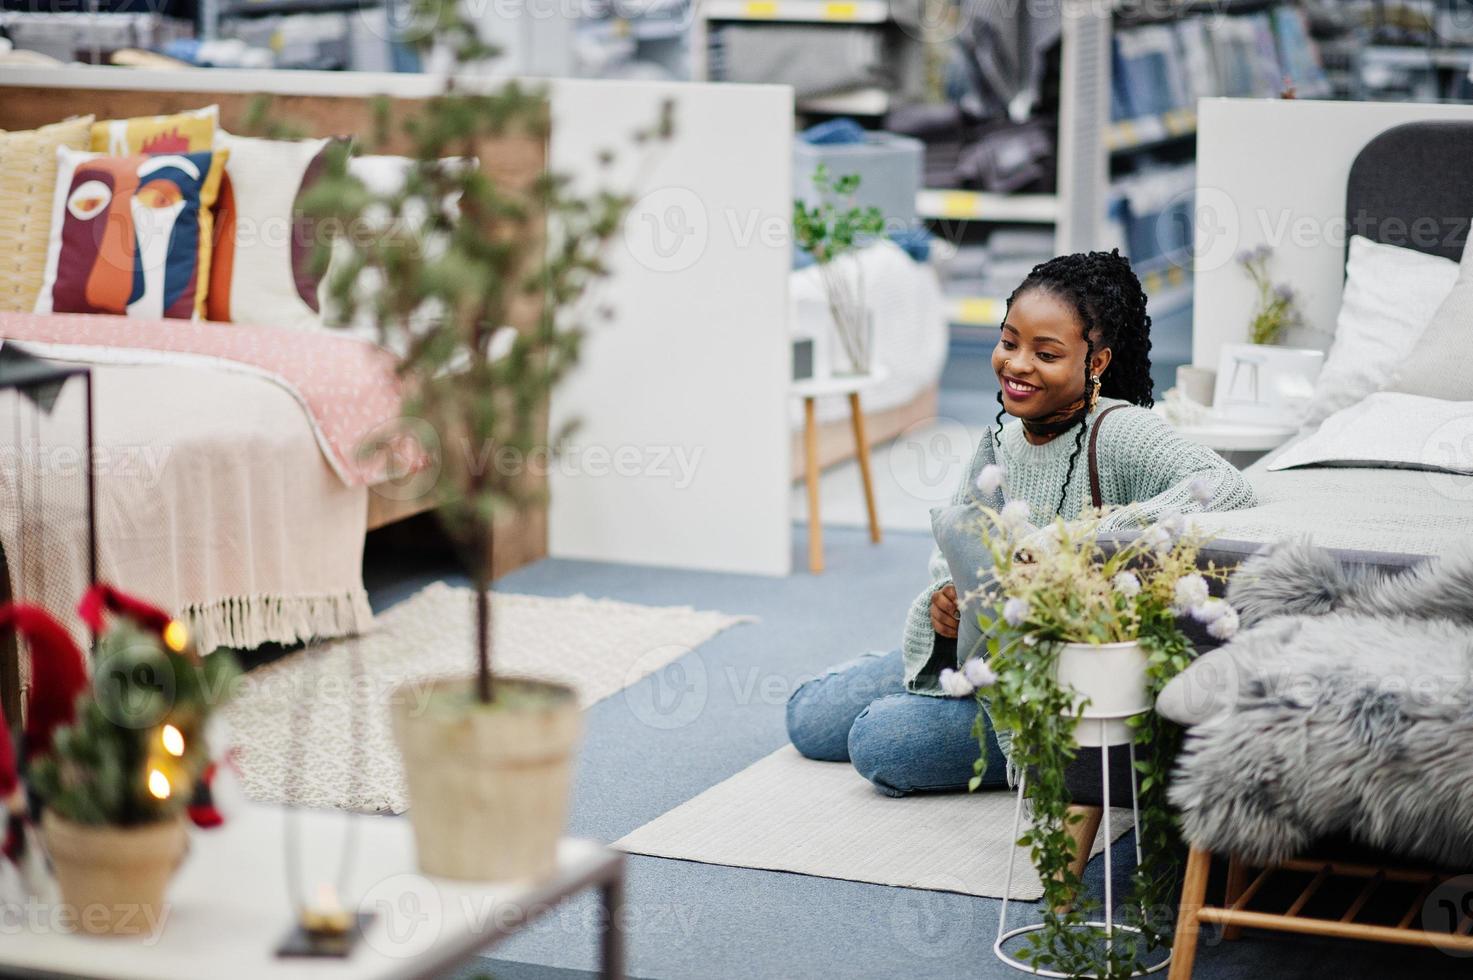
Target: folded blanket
<point x="346" y="386"/>
<point x="229" y="486"/>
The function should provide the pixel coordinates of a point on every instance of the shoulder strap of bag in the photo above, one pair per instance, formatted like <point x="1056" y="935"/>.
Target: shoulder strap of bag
<point x="1094" y="458"/>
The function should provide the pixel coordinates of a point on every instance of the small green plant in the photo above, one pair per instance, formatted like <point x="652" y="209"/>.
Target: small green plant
<point x="828" y="229"/>
<point x="1062" y="585"/>
<point x="460" y="256"/>
<point x="136" y="748"/>
<point x="1278" y="308"/>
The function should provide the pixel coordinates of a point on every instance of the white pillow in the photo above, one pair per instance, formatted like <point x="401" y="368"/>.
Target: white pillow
<point x="1389" y="429"/>
<point x="1390" y="296"/>
<point x="1441" y="362"/>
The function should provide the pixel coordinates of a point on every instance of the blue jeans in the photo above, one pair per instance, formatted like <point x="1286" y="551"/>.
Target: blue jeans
<point x="904" y="743"/>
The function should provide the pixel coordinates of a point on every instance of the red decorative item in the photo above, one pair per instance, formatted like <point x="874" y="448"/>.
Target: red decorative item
<point x="58" y="673"/>
<point x="9" y="774"/>
<point x="202" y="809"/>
<point x="104" y="598"/>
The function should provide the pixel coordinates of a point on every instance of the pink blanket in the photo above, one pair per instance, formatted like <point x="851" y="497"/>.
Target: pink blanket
<point x="347" y="387"/>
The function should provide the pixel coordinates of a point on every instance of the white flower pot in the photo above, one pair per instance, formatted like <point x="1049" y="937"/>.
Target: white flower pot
<point x="1112" y="676"/>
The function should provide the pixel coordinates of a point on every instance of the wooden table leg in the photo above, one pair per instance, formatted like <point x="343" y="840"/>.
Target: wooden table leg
<point x="1084" y="832"/>
<point x="611" y="900"/>
<point x="1237" y="880"/>
<point x="1193" y="893"/>
<point x="810" y="471"/>
<point x="861" y="449"/>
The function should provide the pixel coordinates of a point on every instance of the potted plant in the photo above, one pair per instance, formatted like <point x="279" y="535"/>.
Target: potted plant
<point x="116" y="762"/>
<point x="457" y="257"/>
<point x="1277" y="310"/>
<point x="828" y="230"/>
<point x="1075" y="620"/>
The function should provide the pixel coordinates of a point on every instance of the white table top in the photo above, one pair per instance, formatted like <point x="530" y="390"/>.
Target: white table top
<point x="844" y="384"/>
<point x="1226" y="436"/>
<point x="229" y="908"/>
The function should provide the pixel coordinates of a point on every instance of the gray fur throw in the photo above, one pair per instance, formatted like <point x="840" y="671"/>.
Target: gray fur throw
<point x="1344" y="709"/>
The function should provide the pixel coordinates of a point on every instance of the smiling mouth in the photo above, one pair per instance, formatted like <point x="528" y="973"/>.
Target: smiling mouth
<point x="1014" y="388"/>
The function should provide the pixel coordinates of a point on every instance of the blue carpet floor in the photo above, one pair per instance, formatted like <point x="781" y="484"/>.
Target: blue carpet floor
<point x="718" y="709"/>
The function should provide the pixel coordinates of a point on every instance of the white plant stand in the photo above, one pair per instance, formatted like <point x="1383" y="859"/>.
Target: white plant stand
<point x="1108" y="927"/>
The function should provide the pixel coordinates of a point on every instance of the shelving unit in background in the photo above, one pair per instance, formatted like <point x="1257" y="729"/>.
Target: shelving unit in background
<point x="869" y="102"/>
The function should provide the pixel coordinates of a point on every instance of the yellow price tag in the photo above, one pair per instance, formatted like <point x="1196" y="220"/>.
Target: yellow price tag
<point x="982" y="311"/>
<point x="759" y="8"/>
<point x="840" y="10"/>
<point x="959" y="204"/>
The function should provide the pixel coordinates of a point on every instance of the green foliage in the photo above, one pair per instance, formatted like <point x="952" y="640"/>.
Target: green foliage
<point x="829" y="229"/>
<point x="459" y="257"/>
<point x="98" y="771"/>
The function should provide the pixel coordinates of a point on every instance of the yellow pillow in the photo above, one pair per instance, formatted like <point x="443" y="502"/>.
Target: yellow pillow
<point x="182" y="132"/>
<point x="27" y="183"/>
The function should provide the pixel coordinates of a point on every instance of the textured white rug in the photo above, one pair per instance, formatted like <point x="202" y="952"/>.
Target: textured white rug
<point x="313" y="728"/>
<point x="788" y="813"/>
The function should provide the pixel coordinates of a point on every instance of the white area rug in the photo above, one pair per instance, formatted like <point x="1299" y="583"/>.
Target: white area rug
<point x="788" y="813"/>
<point x="302" y="712"/>
<point x="920" y="469"/>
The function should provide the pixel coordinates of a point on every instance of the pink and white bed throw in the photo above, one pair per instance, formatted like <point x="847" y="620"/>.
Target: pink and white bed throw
<point x="230" y="485"/>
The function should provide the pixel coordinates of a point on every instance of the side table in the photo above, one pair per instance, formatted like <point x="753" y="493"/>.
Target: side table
<point x="228" y="909"/>
<point x="1240" y="443"/>
<point x="810" y="390"/>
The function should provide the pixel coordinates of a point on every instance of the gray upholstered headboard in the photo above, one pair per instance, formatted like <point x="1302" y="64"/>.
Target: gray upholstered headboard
<point x="1412" y="186"/>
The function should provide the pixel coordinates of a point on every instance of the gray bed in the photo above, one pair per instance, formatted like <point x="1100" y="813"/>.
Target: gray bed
<point x="1408" y="187"/>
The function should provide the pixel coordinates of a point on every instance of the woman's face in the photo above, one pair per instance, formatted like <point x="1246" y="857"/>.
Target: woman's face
<point x="1039" y="360"/>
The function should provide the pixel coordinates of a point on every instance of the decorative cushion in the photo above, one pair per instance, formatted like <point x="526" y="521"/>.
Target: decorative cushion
<point x="27" y="186"/>
<point x="182" y="132"/>
<point x="263" y="254"/>
<point x="1441" y="362"/>
<point x="128" y="234"/>
<point x="958" y="532"/>
<point x="1390" y="296"/>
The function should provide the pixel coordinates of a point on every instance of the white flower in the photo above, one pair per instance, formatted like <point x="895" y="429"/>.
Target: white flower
<point x="1190" y="592"/>
<point x="1224" y="626"/>
<point x="1201" y="490"/>
<point x="1156" y="538"/>
<point x="1015" y="513"/>
<point x="1015" y="611"/>
<point x="1172" y="524"/>
<point x="955" y="684"/>
<point x="978" y="674"/>
<point x="990" y="478"/>
<point x="1211" y="611"/>
<point x="1127" y="584"/>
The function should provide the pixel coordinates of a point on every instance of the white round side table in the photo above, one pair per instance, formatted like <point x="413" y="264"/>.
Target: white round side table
<point x="811" y="389"/>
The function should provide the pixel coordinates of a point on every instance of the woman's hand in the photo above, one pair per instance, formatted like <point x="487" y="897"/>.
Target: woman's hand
<point x="945" y="617"/>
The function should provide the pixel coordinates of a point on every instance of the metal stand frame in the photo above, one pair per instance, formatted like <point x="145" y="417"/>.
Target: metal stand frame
<point x="1004" y="934"/>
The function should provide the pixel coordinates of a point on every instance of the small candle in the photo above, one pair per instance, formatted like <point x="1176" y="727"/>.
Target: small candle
<point x="326" y="915"/>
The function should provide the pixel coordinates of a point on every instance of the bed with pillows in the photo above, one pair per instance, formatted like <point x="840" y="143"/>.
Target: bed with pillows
<point x="175" y="258"/>
<point x="1382" y="470"/>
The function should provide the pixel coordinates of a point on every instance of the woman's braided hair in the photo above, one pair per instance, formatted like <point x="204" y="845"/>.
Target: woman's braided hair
<point x="1112" y="310"/>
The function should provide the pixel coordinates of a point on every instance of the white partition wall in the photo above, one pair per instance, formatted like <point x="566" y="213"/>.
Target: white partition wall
<point x="1273" y="172"/>
<point x="682" y="396"/>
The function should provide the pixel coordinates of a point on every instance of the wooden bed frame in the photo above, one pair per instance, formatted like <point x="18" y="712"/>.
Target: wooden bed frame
<point x="514" y="161"/>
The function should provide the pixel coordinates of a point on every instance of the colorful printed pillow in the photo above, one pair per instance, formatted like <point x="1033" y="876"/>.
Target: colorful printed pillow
<point x="27" y="185"/>
<point x="182" y="132"/>
<point x="128" y="234"/>
<point x="263" y="242"/>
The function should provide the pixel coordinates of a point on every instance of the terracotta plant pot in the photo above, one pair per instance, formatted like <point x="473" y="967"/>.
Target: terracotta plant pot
<point x="113" y="879"/>
<point x="1113" y="677"/>
<point x="488" y="787"/>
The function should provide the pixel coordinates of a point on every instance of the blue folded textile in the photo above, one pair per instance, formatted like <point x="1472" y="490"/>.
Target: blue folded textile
<point x="833" y="132"/>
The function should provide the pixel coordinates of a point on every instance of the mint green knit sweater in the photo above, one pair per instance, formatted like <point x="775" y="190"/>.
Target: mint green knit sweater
<point x="1142" y="461"/>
